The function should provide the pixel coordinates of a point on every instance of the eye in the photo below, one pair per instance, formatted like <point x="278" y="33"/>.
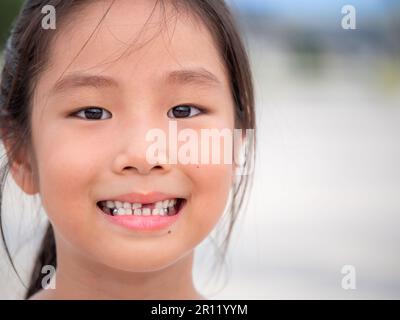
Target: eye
<point x="184" y="111"/>
<point x="92" y="113"/>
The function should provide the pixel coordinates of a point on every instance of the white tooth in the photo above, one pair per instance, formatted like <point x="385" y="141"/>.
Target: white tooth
<point x="110" y="204"/>
<point x="146" y="211"/>
<point x="165" y="203"/>
<point x="128" y="211"/>
<point x="137" y="212"/>
<point x="136" y="205"/>
<point x="172" y="202"/>
<point x="118" y="204"/>
<point x="126" y="205"/>
<point x="155" y="212"/>
<point x="159" y="204"/>
<point x="121" y="211"/>
<point x="163" y="212"/>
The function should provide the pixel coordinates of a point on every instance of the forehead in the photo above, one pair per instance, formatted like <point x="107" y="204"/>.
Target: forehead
<point x="134" y="40"/>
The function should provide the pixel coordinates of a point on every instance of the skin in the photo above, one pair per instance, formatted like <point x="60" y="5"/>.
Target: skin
<point x="76" y="162"/>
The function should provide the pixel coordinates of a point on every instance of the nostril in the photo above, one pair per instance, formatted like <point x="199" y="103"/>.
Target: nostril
<point x="134" y="168"/>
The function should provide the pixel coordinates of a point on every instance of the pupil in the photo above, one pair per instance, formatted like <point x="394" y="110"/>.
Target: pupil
<point x="181" y="111"/>
<point x="93" y="113"/>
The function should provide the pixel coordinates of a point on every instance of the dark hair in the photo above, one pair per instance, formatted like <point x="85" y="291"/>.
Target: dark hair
<point x="25" y="57"/>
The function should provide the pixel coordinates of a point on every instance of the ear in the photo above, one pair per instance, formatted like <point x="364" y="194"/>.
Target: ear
<point x="22" y="171"/>
<point x="239" y="145"/>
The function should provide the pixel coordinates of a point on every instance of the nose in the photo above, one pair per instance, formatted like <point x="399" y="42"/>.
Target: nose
<point x="132" y="154"/>
<point x="125" y="164"/>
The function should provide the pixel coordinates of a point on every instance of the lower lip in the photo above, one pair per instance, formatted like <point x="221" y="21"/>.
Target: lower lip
<point x="144" y="223"/>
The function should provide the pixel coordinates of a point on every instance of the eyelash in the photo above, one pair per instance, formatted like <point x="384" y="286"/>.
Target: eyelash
<point x="200" y="111"/>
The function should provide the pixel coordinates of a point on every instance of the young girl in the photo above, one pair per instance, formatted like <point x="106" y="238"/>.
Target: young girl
<point x="77" y="103"/>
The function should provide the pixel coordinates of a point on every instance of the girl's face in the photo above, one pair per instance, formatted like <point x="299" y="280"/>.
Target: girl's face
<point x="142" y="73"/>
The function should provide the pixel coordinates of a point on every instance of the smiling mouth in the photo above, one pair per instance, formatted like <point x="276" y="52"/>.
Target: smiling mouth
<point x="168" y="207"/>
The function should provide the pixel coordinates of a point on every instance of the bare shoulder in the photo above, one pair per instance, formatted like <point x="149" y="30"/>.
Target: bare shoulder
<point x="200" y="297"/>
<point x="42" y="295"/>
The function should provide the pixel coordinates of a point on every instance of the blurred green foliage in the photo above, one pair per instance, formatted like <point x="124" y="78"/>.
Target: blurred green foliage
<point x="8" y="11"/>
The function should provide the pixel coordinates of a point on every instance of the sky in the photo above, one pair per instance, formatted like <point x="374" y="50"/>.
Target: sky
<point x="312" y="7"/>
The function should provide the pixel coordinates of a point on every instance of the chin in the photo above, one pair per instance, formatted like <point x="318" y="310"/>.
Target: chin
<point x="147" y="261"/>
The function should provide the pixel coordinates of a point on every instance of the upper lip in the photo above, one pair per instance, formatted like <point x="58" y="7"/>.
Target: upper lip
<point x="143" y="197"/>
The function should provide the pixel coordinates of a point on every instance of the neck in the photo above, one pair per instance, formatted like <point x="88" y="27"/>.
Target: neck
<point x="79" y="277"/>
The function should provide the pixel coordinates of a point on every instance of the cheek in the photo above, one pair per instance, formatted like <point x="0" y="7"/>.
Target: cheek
<point x="210" y="190"/>
<point x="211" y="183"/>
<point x="66" y="170"/>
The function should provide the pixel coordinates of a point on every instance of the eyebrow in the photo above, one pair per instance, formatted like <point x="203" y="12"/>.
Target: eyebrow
<point x="77" y="80"/>
<point x="198" y="76"/>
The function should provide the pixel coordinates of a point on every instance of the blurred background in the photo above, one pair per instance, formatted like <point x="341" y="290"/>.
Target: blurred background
<point x="327" y="179"/>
